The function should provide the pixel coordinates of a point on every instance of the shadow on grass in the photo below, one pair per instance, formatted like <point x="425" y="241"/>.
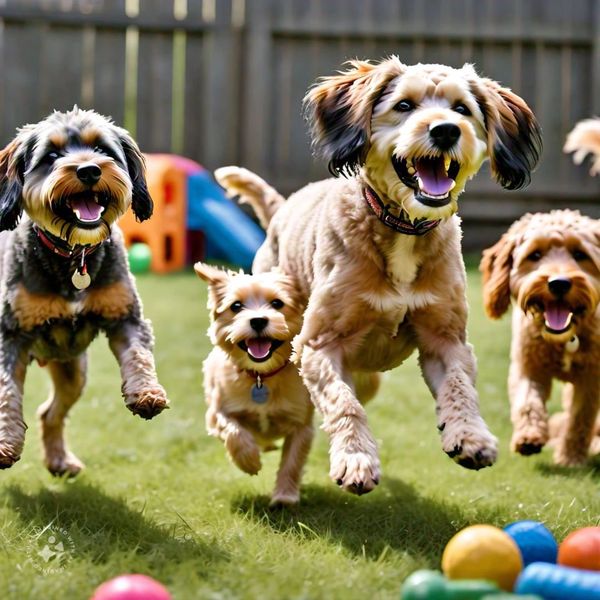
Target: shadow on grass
<point x="393" y="516"/>
<point x="101" y="526"/>
<point x="590" y="469"/>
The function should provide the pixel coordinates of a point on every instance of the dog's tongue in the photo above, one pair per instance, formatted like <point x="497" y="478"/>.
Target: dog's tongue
<point x="432" y="175"/>
<point x="86" y="209"/>
<point x="557" y="317"/>
<point x="258" y="347"/>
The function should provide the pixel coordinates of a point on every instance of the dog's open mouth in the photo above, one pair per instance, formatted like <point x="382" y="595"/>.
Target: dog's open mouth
<point x="87" y="207"/>
<point x="260" y="349"/>
<point x="431" y="177"/>
<point x="557" y="317"/>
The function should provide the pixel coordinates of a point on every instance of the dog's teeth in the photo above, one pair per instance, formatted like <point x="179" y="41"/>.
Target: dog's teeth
<point x="452" y="185"/>
<point x="76" y="211"/>
<point x="447" y="161"/>
<point x="410" y="169"/>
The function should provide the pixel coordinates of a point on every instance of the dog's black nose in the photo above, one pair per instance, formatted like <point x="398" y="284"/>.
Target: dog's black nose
<point x="444" y="135"/>
<point x="559" y="286"/>
<point x="89" y="173"/>
<point x="259" y="323"/>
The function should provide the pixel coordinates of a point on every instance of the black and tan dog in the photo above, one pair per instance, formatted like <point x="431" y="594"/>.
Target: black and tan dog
<point x="64" y="275"/>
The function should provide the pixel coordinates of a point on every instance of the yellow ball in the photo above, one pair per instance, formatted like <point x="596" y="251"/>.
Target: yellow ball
<point x="483" y="552"/>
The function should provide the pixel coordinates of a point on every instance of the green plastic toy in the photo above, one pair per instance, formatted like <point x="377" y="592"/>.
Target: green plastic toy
<point x="432" y="585"/>
<point x="140" y="258"/>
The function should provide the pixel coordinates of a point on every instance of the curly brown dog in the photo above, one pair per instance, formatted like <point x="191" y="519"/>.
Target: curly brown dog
<point x="549" y="264"/>
<point x="64" y="273"/>
<point x="377" y="253"/>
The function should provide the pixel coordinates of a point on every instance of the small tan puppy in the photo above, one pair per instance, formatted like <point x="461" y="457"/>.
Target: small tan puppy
<point x="549" y="263"/>
<point x="255" y="395"/>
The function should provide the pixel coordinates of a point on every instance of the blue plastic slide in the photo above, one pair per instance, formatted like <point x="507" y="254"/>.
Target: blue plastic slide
<point x="231" y="235"/>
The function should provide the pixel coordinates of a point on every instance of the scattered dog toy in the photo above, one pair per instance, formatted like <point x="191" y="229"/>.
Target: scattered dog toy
<point x="556" y="582"/>
<point x="534" y="540"/>
<point x="581" y="549"/>
<point x="432" y="585"/>
<point x="483" y="552"/>
<point x="140" y="257"/>
<point x="131" y="587"/>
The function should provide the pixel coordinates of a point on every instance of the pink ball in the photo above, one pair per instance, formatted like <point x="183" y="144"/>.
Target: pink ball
<point x="131" y="587"/>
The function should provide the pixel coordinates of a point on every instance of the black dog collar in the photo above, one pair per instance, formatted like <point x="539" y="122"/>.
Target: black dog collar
<point x="418" y="227"/>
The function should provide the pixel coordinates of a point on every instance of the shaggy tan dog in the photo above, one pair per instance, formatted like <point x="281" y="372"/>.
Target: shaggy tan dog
<point x="550" y="265"/>
<point x="255" y="395"/>
<point x="377" y="253"/>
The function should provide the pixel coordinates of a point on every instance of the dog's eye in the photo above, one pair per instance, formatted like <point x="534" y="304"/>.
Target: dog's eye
<point x="277" y="304"/>
<point x="580" y="255"/>
<point x="50" y="157"/>
<point x="404" y="106"/>
<point x="535" y="256"/>
<point x="236" y="306"/>
<point x="462" y="109"/>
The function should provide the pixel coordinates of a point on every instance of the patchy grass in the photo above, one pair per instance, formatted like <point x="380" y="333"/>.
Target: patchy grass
<point x="161" y="498"/>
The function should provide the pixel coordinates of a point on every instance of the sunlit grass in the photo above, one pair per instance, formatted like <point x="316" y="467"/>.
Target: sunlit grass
<point x="161" y="498"/>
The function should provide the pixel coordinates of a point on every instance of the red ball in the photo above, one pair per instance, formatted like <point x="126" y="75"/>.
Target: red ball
<point x="131" y="587"/>
<point x="581" y="549"/>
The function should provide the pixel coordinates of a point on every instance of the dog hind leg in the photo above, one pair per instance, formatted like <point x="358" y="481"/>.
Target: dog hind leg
<point x="69" y="380"/>
<point x="293" y="458"/>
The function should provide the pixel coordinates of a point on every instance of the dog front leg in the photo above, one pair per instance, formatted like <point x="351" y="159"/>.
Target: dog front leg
<point x="528" y="411"/>
<point x="12" y="426"/>
<point x="239" y="442"/>
<point x="449" y="368"/>
<point x="131" y="341"/>
<point x="573" y="443"/>
<point x="353" y="454"/>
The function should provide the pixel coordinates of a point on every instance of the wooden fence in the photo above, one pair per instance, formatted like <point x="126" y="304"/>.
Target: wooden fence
<point x="221" y="81"/>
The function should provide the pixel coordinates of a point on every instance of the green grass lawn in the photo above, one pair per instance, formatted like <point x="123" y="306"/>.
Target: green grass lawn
<point x="161" y="498"/>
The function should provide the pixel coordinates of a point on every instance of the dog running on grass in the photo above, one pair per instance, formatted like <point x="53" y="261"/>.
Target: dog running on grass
<point x="377" y="254"/>
<point x="549" y="264"/>
<point x="255" y="395"/>
<point x="64" y="273"/>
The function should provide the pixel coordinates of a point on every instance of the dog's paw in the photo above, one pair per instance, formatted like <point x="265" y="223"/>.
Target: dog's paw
<point x="565" y="458"/>
<point x="244" y="451"/>
<point x="147" y="403"/>
<point x="7" y="459"/>
<point x="528" y="441"/>
<point x="283" y="498"/>
<point x="472" y="447"/>
<point x="355" y="472"/>
<point x="64" y="464"/>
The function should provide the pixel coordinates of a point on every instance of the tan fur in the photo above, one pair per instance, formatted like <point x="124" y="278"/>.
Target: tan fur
<point x="111" y="301"/>
<point x="536" y="249"/>
<point x="244" y="426"/>
<point x="583" y="141"/>
<point x="375" y="295"/>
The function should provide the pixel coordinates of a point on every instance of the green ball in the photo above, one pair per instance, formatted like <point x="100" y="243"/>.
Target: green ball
<point x="140" y="257"/>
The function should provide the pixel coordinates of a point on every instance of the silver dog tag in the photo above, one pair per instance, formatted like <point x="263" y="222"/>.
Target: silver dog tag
<point x="81" y="280"/>
<point x="259" y="392"/>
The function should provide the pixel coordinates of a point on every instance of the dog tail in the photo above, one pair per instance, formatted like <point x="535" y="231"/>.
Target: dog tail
<point x="584" y="140"/>
<point x="252" y="190"/>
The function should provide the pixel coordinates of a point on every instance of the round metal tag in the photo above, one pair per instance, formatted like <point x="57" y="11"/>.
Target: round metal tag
<point x="259" y="394"/>
<point x="81" y="280"/>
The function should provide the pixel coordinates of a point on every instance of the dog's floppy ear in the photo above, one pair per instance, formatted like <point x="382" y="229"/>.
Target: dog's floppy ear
<point x="514" y="134"/>
<point x="217" y="280"/>
<point x="495" y="266"/>
<point x="339" y="110"/>
<point x="12" y="168"/>
<point x="141" y="202"/>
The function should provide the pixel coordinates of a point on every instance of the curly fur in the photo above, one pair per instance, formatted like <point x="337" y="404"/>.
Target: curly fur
<point x="374" y="295"/>
<point x="42" y="315"/>
<point x="536" y="250"/>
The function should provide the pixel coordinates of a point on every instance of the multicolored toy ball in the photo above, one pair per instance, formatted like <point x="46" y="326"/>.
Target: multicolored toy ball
<point x="483" y="552"/>
<point x="581" y="549"/>
<point x="140" y="257"/>
<point x="534" y="540"/>
<point x="131" y="587"/>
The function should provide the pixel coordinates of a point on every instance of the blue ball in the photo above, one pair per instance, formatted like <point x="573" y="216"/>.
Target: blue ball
<point x="534" y="540"/>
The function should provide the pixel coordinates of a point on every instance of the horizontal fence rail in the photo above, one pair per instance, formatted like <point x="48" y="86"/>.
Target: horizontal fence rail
<point x="222" y="81"/>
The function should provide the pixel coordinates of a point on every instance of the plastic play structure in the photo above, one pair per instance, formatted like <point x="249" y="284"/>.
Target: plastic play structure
<point x="193" y="219"/>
